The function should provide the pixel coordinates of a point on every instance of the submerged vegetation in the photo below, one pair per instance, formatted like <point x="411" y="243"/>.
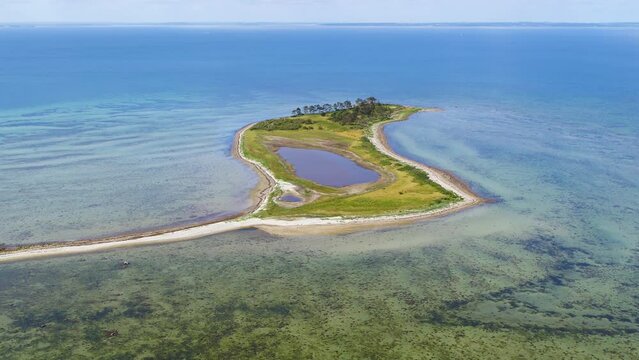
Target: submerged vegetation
<point x="343" y="128"/>
<point x="249" y="295"/>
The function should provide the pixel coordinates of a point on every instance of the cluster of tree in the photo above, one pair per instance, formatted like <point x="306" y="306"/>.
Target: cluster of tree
<point x="363" y="104"/>
<point x="364" y="112"/>
<point x="323" y="109"/>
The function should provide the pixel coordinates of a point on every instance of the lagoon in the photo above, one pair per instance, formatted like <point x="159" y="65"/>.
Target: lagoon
<point x="290" y="198"/>
<point x="326" y="168"/>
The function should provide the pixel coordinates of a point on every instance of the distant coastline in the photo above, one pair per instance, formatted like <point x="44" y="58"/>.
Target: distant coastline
<point x="529" y="24"/>
<point x="261" y="196"/>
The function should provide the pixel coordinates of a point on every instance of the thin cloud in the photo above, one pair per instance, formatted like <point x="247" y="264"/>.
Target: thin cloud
<point x="318" y="10"/>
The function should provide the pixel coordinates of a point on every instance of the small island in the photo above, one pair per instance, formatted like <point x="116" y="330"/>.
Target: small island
<point x="324" y="169"/>
<point x="348" y="131"/>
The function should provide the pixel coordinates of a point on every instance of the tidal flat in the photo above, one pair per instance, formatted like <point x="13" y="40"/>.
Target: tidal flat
<point x="247" y="294"/>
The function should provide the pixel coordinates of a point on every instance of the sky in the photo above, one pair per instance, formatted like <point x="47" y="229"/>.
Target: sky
<point x="297" y="11"/>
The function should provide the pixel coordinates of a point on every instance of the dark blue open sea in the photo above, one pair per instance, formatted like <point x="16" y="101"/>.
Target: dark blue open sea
<point x="110" y="130"/>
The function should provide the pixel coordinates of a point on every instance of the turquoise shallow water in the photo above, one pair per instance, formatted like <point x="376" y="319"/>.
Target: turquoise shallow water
<point x="86" y="171"/>
<point x="115" y="129"/>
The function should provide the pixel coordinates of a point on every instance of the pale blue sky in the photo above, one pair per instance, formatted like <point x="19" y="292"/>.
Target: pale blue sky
<point x="318" y="10"/>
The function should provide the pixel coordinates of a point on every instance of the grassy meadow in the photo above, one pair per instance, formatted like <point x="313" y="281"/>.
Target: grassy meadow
<point x="403" y="189"/>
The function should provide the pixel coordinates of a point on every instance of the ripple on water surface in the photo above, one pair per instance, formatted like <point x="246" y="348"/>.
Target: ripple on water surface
<point x="91" y="170"/>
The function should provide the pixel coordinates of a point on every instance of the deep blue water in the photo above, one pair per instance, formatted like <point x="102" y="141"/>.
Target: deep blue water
<point x="44" y="66"/>
<point x="326" y="168"/>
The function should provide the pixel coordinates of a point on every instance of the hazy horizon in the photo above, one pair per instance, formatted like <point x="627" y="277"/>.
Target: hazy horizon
<point x="330" y="23"/>
<point x="317" y="11"/>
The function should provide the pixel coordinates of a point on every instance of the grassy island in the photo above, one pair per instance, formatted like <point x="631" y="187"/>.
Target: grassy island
<point x="396" y="189"/>
<point x="348" y="130"/>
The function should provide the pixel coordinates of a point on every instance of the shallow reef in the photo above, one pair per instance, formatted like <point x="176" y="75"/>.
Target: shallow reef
<point x="249" y="295"/>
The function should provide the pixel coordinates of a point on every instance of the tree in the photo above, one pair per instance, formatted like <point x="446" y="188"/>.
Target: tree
<point x="364" y="110"/>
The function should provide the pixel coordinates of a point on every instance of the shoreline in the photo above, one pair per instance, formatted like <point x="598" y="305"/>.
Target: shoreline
<point x="444" y="178"/>
<point x="260" y="196"/>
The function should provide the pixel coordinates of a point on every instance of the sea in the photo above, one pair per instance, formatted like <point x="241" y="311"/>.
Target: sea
<point x="110" y="130"/>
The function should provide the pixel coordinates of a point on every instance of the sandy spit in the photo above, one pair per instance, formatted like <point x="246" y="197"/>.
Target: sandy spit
<point x="260" y="196"/>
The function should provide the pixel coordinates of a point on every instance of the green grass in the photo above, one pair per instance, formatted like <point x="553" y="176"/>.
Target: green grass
<point x="405" y="190"/>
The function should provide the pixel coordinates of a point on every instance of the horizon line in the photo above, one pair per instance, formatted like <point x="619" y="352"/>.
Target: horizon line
<point x="327" y="23"/>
